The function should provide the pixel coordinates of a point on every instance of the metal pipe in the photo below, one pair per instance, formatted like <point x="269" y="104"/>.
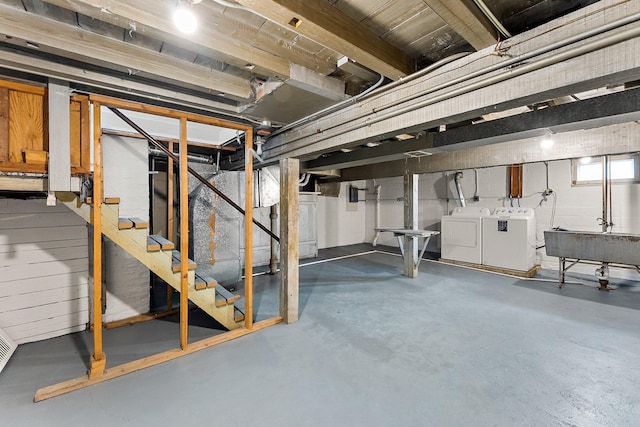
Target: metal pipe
<point x="377" y="220"/>
<point x="609" y="183"/>
<point x="511" y="73"/>
<point x="492" y="18"/>
<point x="304" y="180"/>
<point x="458" y="179"/>
<point x="476" y="196"/>
<point x="273" y="262"/>
<point x="175" y="158"/>
<point x="605" y="193"/>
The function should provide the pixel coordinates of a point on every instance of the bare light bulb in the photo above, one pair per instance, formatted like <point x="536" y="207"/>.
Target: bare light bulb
<point x="546" y="144"/>
<point x="184" y="19"/>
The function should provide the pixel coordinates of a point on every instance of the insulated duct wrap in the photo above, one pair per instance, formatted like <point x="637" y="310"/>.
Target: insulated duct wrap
<point x="215" y="227"/>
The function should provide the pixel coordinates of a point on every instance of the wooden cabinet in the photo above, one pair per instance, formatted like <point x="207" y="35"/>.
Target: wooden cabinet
<point x="24" y="142"/>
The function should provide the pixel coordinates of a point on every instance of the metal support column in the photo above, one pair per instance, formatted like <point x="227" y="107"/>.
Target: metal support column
<point x="411" y="223"/>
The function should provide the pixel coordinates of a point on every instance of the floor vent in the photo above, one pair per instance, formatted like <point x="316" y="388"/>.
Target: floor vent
<point x="7" y="347"/>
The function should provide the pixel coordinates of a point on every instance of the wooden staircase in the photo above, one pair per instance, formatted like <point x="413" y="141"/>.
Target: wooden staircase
<point x="159" y="255"/>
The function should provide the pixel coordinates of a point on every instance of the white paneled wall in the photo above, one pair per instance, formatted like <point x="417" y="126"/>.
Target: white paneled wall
<point x="43" y="270"/>
<point x="576" y="208"/>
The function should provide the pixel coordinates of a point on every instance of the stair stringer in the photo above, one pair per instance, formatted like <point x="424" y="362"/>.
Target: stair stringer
<point x="134" y="241"/>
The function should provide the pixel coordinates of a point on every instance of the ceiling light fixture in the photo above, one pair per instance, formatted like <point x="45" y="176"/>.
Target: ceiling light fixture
<point x="585" y="160"/>
<point x="546" y="144"/>
<point x="184" y="19"/>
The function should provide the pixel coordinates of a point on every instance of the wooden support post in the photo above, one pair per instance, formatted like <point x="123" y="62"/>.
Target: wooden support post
<point x="248" y="229"/>
<point x="410" y="222"/>
<point x="170" y="191"/>
<point x="98" y="360"/>
<point x="184" y="236"/>
<point x="289" y="242"/>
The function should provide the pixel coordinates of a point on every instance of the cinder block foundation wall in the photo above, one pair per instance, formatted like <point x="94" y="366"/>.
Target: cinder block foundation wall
<point x="126" y="166"/>
<point x="577" y="208"/>
<point x="341" y="223"/>
<point x="43" y="270"/>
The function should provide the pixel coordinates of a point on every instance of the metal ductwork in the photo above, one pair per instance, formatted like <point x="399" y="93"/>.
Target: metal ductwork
<point x="458" y="179"/>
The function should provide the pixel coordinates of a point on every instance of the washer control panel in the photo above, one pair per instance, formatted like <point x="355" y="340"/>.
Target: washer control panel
<point x="514" y="212"/>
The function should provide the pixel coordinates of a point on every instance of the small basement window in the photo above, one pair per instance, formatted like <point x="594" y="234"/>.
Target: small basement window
<point x="588" y="170"/>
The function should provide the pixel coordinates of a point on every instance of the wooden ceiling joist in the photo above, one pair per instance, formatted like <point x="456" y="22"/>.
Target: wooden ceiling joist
<point x="225" y="37"/>
<point x="82" y="45"/>
<point x="332" y="28"/>
<point x="467" y="20"/>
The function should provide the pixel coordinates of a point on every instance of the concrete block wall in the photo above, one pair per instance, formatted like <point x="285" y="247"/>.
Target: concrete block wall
<point x="341" y="223"/>
<point x="576" y="208"/>
<point x="126" y="176"/>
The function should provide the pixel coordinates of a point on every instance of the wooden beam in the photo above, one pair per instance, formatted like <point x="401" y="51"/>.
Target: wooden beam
<point x="76" y="43"/>
<point x="15" y="183"/>
<point x="332" y="28"/>
<point x="184" y="236"/>
<point x="38" y="66"/>
<point x="98" y="360"/>
<point x="289" y="241"/>
<point x="167" y="140"/>
<point x="166" y="112"/>
<point x="449" y="97"/>
<point x="467" y="20"/>
<point x="156" y="359"/>
<point x="248" y="229"/>
<point x="223" y="36"/>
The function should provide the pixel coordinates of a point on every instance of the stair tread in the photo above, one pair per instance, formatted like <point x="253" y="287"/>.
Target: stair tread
<point x="152" y="245"/>
<point x="224" y="297"/>
<point x="139" y="223"/>
<point x="175" y="264"/>
<point x="124" y="224"/>
<point x="210" y="281"/>
<point x="112" y="200"/>
<point x="164" y="243"/>
<point x="199" y="284"/>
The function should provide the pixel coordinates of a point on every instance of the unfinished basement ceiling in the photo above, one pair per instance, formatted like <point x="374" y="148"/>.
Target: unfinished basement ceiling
<point x="245" y="57"/>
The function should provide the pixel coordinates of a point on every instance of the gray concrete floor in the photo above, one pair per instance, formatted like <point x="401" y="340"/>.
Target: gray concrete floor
<point x="454" y="347"/>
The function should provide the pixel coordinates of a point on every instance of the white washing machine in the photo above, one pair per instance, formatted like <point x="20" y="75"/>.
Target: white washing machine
<point x="461" y="234"/>
<point x="509" y="239"/>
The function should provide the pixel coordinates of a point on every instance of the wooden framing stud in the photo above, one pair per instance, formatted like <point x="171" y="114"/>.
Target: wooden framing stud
<point x="97" y="367"/>
<point x="156" y="359"/>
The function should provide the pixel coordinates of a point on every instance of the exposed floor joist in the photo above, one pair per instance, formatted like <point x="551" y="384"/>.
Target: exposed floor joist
<point x="615" y="139"/>
<point x="215" y="34"/>
<point x="616" y="108"/>
<point x="82" y="45"/>
<point x="449" y="97"/>
<point x="467" y="20"/>
<point x="332" y="28"/>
